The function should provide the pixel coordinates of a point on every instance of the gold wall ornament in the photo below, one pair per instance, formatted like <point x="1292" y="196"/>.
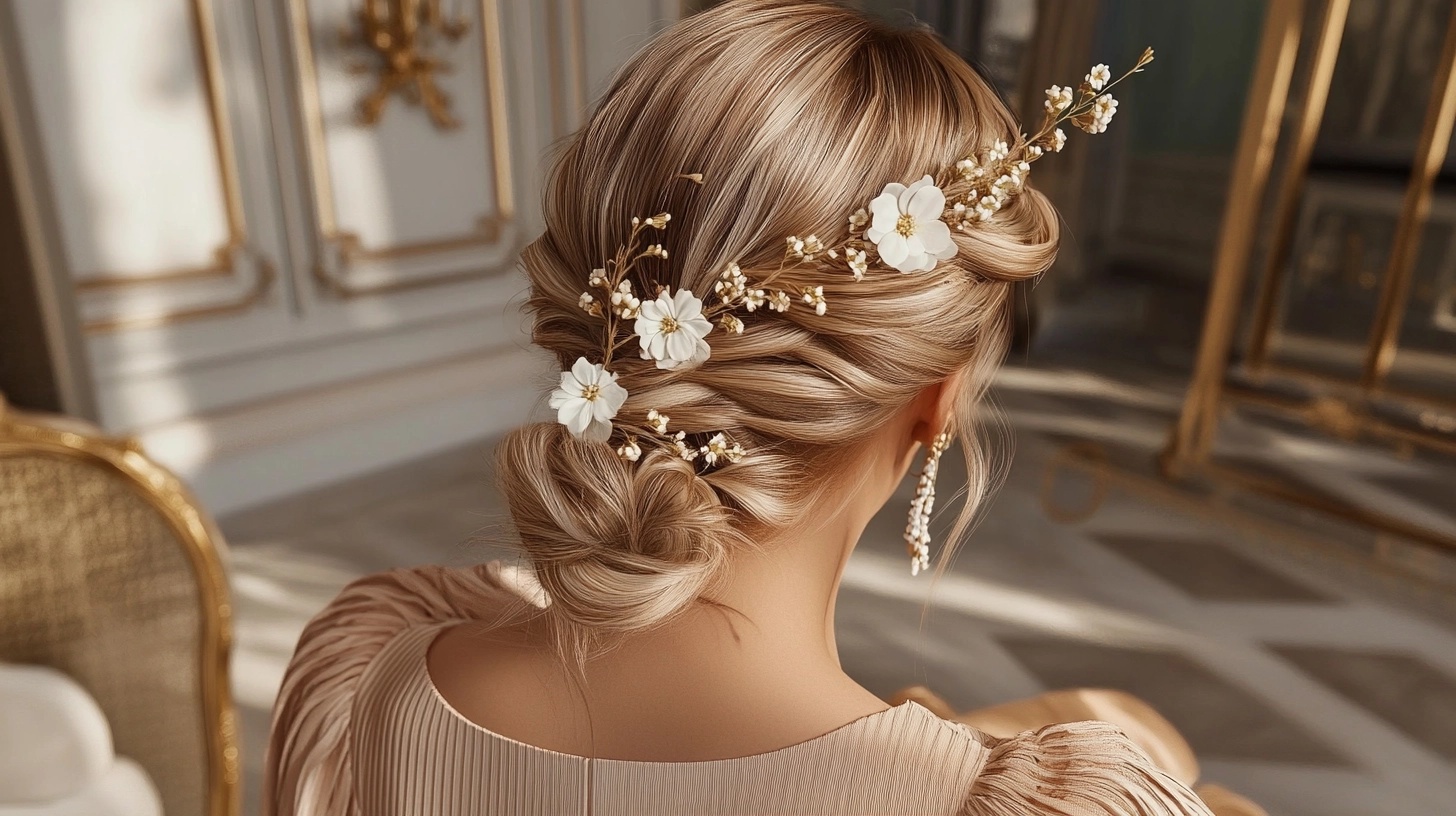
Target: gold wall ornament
<point x="400" y="33"/>
<point x="341" y="249"/>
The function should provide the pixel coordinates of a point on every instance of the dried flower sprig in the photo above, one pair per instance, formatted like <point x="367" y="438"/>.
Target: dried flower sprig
<point x="906" y="228"/>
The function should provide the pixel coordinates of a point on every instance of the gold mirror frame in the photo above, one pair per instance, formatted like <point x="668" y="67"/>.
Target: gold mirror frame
<point x="31" y="434"/>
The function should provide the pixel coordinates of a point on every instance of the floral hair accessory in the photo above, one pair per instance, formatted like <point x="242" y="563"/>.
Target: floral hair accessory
<point x="906" y="228"/>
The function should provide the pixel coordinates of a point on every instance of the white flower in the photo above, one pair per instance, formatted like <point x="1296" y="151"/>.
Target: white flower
<point x="754" y="298"/>
<point x="671" y="330"/>
<point x="803" y="249"/>
<point x="779" y="301"/>
<point x="659" y="221"/>
<point x="907" y="229"/>
<point x="657" y="420"/>
<point x="1035" y="150"/>
<point x="683" y="450"/>
<point x="718" y="448"/>
<point x="987" y="207"/>
<point x="1101" y="114"/>
<point x="587" y="399"/>
<point x="630" y="450"/>
<point x="814" y="296"/>
<point x="1059" y="140"/>
<point x="731" y="324"/>
<point x="732" y="284"/>
<point x="1099" y="76"/>
<point x="1058" y="98"/>
<point x="968" y="168"/>
<point x="598" y="278"/>
<point x="655" y="250"/>
<point x="857" y="263"/>
<point x="998" y="151"/>
<point x="859" y="220"/>
<point x="624" y="303"/>
<point x="589" y="304"/>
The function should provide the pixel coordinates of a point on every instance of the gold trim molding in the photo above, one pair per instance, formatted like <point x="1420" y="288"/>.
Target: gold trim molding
<point x="22" y="433"/>
<point x="256" y="294"/>
<point x="347" y="244"/>
<point x="224" y="265"/>
<point x="568" y="81"/>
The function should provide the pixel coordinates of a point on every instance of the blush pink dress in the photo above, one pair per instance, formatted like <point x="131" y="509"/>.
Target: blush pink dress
<point x="360" y="730"/>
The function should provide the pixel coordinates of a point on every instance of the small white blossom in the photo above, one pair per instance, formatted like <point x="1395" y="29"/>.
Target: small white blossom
<point x="683" y="449"/>
<point x="858" y="220"/>
<point x="987" y="207"/>
<point x="630" y="450"/>
<point x="1103" y="109"/>
<point x="598" y="278"/>
<point x="754" y="298"/>
<point x="589" y="304"/>
<point x="1035" y="150"/>
<point x="803" y="249"/>
<point x="832" y="253"/>
<point x="731" y="324"/>
<point x="732" y="284"/>
<point x="1099" y="76"/>
<point x="1059" y="140"/>
<point x="998" y="151"/>
<point x="624" y="303"/>
<point x="858" y="265"/>
<point x="659" y="221"/>
<point x="907" y="228"/>
<point x="719" y="448"/>
<point x="657" y="420"/>
<point x="671" y="330"/>
<point x="1058" y="99"/>
<point x="587" y="399"/>
<point x="968" y="168"/>
<point x="655" y="250"/>
<point x="779" y="301"/>
<point x="814" y="296"/>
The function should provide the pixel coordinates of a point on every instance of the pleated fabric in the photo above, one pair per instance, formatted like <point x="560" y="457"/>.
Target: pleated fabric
<point x="360" y="730"/>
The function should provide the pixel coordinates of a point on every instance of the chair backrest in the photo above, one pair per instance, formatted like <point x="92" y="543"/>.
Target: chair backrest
<point x="110" y="572"/>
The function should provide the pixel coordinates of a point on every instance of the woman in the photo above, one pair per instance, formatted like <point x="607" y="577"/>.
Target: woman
<point x="761" y="315"/>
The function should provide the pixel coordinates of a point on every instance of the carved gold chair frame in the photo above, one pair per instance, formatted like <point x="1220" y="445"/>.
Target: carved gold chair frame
<point x="26" y="434"/>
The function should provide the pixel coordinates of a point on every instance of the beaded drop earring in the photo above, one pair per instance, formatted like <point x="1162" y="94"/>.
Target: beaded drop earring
<point x="917" y="531"/>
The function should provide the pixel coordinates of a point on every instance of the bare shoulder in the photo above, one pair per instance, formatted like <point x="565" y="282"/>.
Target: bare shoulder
<point x="502" y="678"/>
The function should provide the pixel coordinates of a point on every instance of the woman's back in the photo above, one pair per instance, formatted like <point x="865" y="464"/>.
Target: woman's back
<point x="731" y="413"/>
<point x="361" y="730"/>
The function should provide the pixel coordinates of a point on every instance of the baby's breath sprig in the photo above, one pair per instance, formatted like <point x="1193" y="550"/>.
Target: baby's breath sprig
<point x="980" y="186"/>
<point x="906" y="228"/>
<point x="614" y="279"/>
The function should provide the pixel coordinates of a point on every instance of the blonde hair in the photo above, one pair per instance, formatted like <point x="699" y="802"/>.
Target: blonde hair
<point x="796" y="114"/>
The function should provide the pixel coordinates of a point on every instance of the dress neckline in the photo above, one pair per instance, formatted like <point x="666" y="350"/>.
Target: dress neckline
<point x="907" y="707"/>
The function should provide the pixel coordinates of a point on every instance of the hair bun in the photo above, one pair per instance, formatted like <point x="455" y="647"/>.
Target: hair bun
<point x="617" y="546"/>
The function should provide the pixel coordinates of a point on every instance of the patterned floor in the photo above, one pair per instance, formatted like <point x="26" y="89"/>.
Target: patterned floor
<point x="1300" y="679"/>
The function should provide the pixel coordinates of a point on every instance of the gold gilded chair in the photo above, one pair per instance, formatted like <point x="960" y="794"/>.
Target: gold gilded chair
<point x="111" y="573"/>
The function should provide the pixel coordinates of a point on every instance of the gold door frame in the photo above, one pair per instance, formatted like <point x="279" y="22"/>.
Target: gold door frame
<point x="1340" y="411"/>
<point x="57" y="436"/>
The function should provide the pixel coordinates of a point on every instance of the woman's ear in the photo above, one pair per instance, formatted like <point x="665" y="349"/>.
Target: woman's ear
<point x="935" y="408"/>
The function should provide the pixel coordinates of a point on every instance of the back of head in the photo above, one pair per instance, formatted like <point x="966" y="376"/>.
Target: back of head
<point x="796" y="114"/>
